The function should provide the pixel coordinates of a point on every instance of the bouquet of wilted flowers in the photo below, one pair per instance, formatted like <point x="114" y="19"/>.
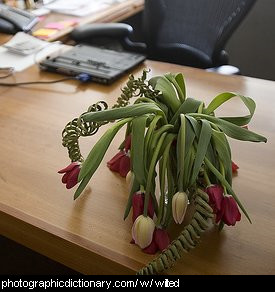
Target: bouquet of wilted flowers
<point x="175" y="156"/>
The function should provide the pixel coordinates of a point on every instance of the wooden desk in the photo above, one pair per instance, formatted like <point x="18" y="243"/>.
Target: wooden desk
<point x="114" y="13"/>
<point x="89" y="235"/>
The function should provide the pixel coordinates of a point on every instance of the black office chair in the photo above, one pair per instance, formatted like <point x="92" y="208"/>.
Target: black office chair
<point x="186" y="32"/>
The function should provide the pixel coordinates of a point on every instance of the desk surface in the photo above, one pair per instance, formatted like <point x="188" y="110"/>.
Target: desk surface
<point x="114" y="13"/>
<point x="89" y="235"/>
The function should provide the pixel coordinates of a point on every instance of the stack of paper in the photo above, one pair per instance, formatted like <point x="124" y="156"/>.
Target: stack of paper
<point x="79" y="7"/>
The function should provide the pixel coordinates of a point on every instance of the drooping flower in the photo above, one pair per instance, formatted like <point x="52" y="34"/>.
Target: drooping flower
<point x="70" y="174"/>
<point x="229" y="213"/>
<point x="179" y="206"/>
<point x="138" y="205"/>
<point x="235" y="167"/>
<point x="160" y="241"/>
<point x="215" y="194"/>
<point x="142" y="231"/>
<point x="120" y="163"/>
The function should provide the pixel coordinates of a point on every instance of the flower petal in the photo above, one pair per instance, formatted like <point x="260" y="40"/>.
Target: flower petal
<point x="151" y="249"/>
<point x="138" y="205"/>
<point x="68" y="168"/>
<point x="231" y="212"/>
<point x="235" y="167"/>
<point x="161" y="238"/>
<point x="73" y="178"/>
<point x="114" y="163"/>
<point x="215" y="194"/>
<point x="124" y="165"/>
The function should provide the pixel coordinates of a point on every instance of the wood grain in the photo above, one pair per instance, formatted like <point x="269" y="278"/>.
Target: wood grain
<point x="89" y="235"/>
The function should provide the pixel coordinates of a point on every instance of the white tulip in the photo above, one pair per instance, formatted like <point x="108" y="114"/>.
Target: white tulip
<point x="179" y="206"/>
<point x="142" y="231"/>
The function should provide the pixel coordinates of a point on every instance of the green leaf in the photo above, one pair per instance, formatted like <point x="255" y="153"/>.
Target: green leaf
<point x="97" y="153"/>
<point x="204" y="140"/>
<point x="189" y="136"/>
<point x="151" y="172"/>
<point x="180" y="80"/>
<point x="224" y="152"/>
<point x="242" y="121"/>
<point x="195" y="125"/>
<point x="223" y="97"/>
<point x="190" y="105"/>
<point x="219" y="100"/>
<point x="129" y="111"/>
<point x="181" y="152"/>
<point x="232" y="130"/>
<point x="162" y="180"/>
<point x="137" y="148"/>
<point x="135" y="188"/>
<point x="227" y="185"/>
<point x="169" y="94"/>
<point x="172" y="78"/>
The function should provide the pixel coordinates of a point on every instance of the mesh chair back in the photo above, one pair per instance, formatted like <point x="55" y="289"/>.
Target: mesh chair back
<point x="202" y="25"/>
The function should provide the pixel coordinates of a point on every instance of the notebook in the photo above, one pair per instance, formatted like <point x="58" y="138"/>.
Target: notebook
<point x="103" y="65"/>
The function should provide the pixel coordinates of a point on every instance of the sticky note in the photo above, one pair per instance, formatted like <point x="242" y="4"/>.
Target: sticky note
<point x="44" y="32"/>
<point x="69" y="22"/>
<point x="55" y="25"/>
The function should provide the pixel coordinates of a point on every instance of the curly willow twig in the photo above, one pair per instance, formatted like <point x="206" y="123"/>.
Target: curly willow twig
<point x="77" y="127"/>
<point x="187" y="239"/>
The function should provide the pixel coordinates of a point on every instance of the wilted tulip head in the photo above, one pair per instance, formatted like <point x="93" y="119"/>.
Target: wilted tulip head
<point x="179" y="206"/>
<point x="143" y="230"/>
<point x="70" y="174"/>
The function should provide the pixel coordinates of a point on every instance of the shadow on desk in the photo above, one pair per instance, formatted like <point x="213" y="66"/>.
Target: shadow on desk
<point x="19" y="260"/>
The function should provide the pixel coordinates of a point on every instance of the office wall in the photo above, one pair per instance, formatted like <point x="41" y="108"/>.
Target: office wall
<point x="252" y="47"/>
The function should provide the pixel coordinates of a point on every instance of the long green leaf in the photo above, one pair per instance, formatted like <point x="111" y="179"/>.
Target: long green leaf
<point x="151" y="173"/>
<point x="223" y="97"/>
<point x="190" y="105"/>
<point x="233" y="130"/>
<point x="244" y="120"/>
<point x="169" y="94"/>
<point x="130" y="111"/>
<point x="135" y="188"/>
<point x="224" y="152"/>
<point x="204" y="140"/>
<point x="97" y="153"/>
<point x="181" y="152"/>
<point x="172" y="78"/>
<point x="137" y="148"/>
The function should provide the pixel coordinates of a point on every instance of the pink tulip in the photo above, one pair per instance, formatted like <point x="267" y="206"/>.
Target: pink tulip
<point x="71" y="172"/>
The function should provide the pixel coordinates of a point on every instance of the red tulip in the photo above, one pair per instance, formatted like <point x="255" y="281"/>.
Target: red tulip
<point x="215" y="194"/>
<point x="160" y="241"/>
<point x="138" y="205"/>
<point x="235" y="167"/>
<point x="120" y="163"/>
<point x="229" y="213"/>
<point x="70" y="177"/>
